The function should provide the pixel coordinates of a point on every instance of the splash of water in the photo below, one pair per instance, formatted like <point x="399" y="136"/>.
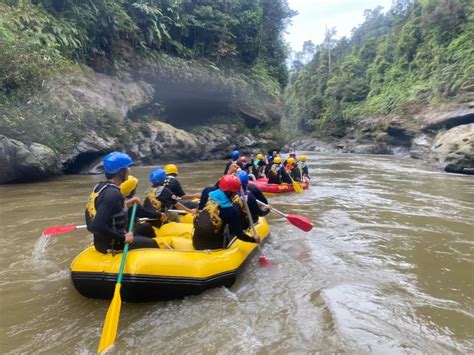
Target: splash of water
<point x="40" y="247"/>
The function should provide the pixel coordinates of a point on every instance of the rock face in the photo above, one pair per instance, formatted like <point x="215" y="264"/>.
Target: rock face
<point x="417" y="135"/>
<point x="22" y="163"/>
<point x="454" y="150"/>
<point x="82" y="115"/>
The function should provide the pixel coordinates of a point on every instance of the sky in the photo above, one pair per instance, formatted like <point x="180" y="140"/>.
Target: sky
<point x="314" y="15"/>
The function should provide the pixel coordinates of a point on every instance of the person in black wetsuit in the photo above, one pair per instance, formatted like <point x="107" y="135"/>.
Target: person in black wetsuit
<point x="254" y="208"/>
<point x="144" y="228"/>
<point x="221" y="218"/>
<point x="173" y="184"/>
<point x="234" y="164"/>
<point x="277" y="173"/>
<point x="291" y="167"/>
<point x="258" y="167"/>
<point x="303" y="167"/>
<point x="105" y="214"/>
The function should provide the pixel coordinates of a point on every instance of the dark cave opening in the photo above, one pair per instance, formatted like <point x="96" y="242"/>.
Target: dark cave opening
<point x="81" y="162"/>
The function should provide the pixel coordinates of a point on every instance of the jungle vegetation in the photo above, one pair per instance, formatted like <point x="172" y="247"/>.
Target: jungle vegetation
<point x="420" y="52"/>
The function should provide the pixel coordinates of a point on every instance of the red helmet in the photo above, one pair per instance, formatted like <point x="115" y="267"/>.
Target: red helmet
<point x="243" y="159"/>
<point x="229" y="183"/>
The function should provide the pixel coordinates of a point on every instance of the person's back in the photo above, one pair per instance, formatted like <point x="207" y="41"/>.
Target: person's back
<point x="274" y="174"/>
<point x="234" y="164"/>
<point x="258" y="168"/>
<point x="159" y="198"/>
<point x="220" y="219"/>
<point x="105" y="217"/>
<point x="247" y="189"/>
<point x="105" y="214"/>
<point x="173" y="184"/>
<point x="303" y="167"/>
<point x="293" y="170"/>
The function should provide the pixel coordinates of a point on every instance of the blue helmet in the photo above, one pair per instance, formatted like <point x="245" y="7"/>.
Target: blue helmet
<point x="243" y="177"/>
<point x="157" y="176"/>
<point x="235" y="155"/>
<point x="115" y="161"/>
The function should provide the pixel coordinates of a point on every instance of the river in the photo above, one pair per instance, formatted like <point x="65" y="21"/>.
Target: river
<point x="387" y="269"/>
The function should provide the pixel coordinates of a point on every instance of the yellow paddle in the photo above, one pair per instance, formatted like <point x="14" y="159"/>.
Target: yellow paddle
<point x="297" y="187"/>
<point x="109" y="331"/>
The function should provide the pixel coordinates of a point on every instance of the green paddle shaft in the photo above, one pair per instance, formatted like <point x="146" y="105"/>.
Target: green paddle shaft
<point x="125" y="248"/>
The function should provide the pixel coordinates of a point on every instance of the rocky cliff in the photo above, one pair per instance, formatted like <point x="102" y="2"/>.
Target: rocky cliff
<point x="443" y="136"/>
<point x="159" y="110"/>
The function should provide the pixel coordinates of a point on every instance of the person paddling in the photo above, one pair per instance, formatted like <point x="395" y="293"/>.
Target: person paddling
<point x="221" y="218"/>
<point x="292" y="168"/>
<point x="173" y="184"/>
<point x="160" y="198"/>
<point x="303" y="167"/>
<point x="258" y="168"/>
<point x="277" y="173"/>
<point x="234" y="164"/>
<point x="251" y="199"/>
<point x="128" y="189"/>
<point x="105" y="213"/>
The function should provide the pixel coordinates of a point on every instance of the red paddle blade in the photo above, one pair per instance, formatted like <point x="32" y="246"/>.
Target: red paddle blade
<point x="301" y="222"/>
<point x="58" y="230"/>
<point x="263" y="261"/>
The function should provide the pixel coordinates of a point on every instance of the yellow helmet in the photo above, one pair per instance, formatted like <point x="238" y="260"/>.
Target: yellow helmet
<point x="277" y="160"/>
<point x="259" y="156"/>
<point x="128" y="186"/>
<point x="171" y="169"/>
<point x="291" y="161"/>
<point x="303" y="157"/>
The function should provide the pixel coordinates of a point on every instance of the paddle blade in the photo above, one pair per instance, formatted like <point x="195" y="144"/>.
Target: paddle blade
<point x="109" y="331"/>
<point x="58" y="230"/>
<point x="263" y="261"/>
<point x="301" y="222"/>
<point x="297" y="187"/>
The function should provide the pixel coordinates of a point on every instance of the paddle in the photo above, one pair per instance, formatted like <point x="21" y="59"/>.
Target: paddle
<point x="296" y="186"/>
<point x="302" y="223"/>
<point x="109" y="331"/>
<point x="61" y="229"/>
<point x="55" y="230"/>
<point x="262" y="259"/>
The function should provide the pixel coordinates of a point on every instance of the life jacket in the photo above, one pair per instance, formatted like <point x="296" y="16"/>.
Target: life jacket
<point x="168" y="180"/>
<point x="209" y="232"/>
<point x="152" y="197"/>
<point x="235" y="164"/>
<point x="90" y="205"/>
<point x="119" y="220"/>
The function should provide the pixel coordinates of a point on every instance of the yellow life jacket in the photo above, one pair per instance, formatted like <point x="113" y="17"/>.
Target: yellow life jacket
<point x="152" y="197"/>
<point x="90" y="206"/>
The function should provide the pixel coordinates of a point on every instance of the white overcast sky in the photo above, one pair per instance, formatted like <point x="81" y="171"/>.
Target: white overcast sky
<point x="314" y="15"/>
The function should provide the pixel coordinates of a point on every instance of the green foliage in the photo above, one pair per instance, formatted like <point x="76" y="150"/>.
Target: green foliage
<point x="99" y="33"/>
<point x="418" y="52"/>
<point x="31" y="44"/>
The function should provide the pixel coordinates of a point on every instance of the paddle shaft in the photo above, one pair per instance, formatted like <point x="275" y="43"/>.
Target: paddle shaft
<point x="296" y="186"/>
<point x="254" y="232"/>
<point x="109" y="330"/>
<point x="272" y="208"/>
<point x="125" y="248"/>
<point x="249" y="215"/>
<point x="300" y="222"/>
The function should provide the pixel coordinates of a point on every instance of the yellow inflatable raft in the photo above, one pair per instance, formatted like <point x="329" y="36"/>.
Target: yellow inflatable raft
<point x="173" y="271"/>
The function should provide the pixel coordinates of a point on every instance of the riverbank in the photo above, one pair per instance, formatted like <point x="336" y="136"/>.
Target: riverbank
<point x="442" y="136"/>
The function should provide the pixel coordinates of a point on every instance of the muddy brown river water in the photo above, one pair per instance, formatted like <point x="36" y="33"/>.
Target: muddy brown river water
<point x="388" y="269"/>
